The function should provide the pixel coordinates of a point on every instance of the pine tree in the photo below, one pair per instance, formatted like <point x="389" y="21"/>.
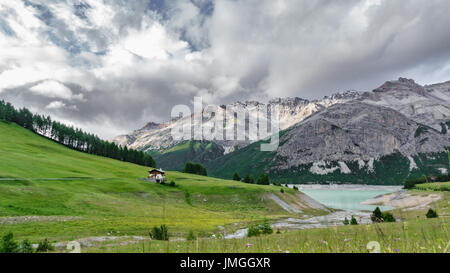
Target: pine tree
<point x="8" y="245"/>
<point x="236" y="177"/>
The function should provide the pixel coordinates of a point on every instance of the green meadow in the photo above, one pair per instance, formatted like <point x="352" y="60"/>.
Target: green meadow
<point x="50" y="191"/>
<point x="74" y="195"/>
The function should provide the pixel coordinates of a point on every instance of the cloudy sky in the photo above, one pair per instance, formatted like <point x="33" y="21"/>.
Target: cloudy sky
<point x="111" y="66"/>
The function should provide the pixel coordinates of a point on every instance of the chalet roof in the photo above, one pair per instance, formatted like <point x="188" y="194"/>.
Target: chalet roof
<point x="156" y="170"/>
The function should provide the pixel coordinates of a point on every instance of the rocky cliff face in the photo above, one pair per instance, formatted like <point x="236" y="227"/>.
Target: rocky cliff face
<point x="399" y="130"/>
<point x="355" y="132"/>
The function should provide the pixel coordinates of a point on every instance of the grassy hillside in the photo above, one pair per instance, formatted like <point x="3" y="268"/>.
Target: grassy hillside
<point x="175" y="157"/>
<point x="50" y="191"/>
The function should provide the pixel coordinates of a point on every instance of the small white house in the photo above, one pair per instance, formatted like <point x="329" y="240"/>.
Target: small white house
<point x="158" y="176"/>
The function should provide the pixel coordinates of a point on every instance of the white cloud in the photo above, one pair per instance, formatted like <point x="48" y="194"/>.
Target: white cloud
<point x="122" y="64"/>
<point x="53" y="89"/>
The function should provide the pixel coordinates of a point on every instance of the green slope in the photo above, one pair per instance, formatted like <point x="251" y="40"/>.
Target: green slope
<point x="175" y="157"/>
<point x="73" y="194"/>
<point x="393" y="169"/>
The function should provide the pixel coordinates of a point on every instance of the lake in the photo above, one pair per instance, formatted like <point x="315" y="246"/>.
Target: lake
<point x="347" y="197"/>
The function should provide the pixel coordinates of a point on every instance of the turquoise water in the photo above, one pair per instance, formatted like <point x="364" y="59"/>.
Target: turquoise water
<point x="345" y="199"/>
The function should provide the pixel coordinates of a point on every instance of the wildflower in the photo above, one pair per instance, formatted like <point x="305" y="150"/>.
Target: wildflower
<point x="287" y="251"/>
<point x="396" y="250"/>
<point x="248" y="245"/>
<point x="346" y="240"/>
<point x="405" y="225"/>
<point x="324" y="242"/>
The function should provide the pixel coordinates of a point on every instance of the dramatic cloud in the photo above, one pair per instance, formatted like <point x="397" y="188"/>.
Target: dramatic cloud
<point x="111" y="66"/>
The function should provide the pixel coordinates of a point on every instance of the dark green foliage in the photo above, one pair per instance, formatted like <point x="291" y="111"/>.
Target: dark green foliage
<point x="256" y="230"/>
<point x="296" y="188"/>
<point x="282" y="190"/>
<point x="194" y="168"/>
<point x="236" y="177"/>
<point x="45" y="246"/>
<point x="190" y="236"/>
<point x="346" y="222"/>
<point x="379" y="217"/>
<point x="388" y="217"/>
<point x="263" y="179"/>
<point x="72" y="137"/>
<point x="8" y="245"/>
<point x="248" y="179"/>
<point x="172" y="184"/>
<point x="432" y="214"/>
<point x="353" y="222"/>
<point x="174" y="158"/>
<point x="26" y="247"/>
<point x="160" y="233"/>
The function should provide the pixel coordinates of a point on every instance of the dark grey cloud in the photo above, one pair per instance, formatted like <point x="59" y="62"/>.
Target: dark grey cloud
<point x="111" y="67"/>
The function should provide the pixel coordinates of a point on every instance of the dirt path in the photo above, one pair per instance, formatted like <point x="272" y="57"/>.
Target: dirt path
<point x="27" y="219"/>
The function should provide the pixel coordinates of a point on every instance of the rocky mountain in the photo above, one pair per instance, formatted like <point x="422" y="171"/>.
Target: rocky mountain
<point x="352" y="142"/>
<point x="289" y="111"/>
<point x="350" y="136"/>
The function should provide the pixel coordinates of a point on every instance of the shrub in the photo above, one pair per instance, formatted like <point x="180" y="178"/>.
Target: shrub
<point x="432" y="214"/>
<point x="8" y="245"/>
<point x="388" y="217"/>
<point x="295" y="188"/>
<point x="172" y="184"/>
<point x="45" y="246"/>
<point x="253" y="230"/>
<point x="236" y="177"/>
<point x="194" y="168"/>
<point x="377" y="216"/>
<point x="256" y="230"/>
<point x="26" y="247"/>
<point x="160" y="233"/>
<point x="248" y="179"/>
<point x="263" y="179"/>
<point x="353" y="222"/>
<point x="282" y="190"/>
<point x="191" y="236"/>
<point x="346" y="221"/>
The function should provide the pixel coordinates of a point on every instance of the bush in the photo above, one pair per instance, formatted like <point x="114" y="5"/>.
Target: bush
<point x="379" y="217"/>
<point x="353" y="222"/>
<point x="172" y="184"/>
<point x="194" y="168"/>
<point x="8" y="245"/>
<point x="388" y="217"/>
<point x="236" y="177"/>
<point x="45" y="246"/>
<point x="26" y="247"/>
<point x="160" y="233"/>
<point x="432" y="214"/>
<point x="248" y="179"/>
<point x="190" y="236"/>
<point x="295" y="188"/>
<point x="263" y="179"/>
<point x="282" y="190"/>
<point x="256" y="230"/>
<point x="346" y="221"/>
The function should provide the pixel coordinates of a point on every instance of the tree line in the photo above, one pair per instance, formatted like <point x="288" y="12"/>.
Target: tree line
<point x="72" y="137"/>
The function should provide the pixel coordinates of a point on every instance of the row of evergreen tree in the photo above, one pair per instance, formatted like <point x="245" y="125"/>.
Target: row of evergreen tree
<point x="71" y="137"/>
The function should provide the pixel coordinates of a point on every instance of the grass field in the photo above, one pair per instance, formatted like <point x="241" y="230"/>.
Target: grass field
<point x="87" y="195"/>
<point x="50" y="191"/>
<point x="443" y="186"/>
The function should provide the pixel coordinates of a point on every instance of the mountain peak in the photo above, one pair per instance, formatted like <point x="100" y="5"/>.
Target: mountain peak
<point x="402" y="84"/>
